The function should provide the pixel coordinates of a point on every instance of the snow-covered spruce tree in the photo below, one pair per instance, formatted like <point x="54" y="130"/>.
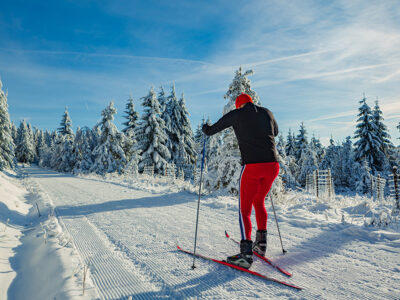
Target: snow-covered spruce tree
<point x="162" y="99"/>
<point x="131" y="151"/>
<point x="152" y="136"/>
<point x="290" y="148"/>
<point x="32" y="138"/>
<point x="288" y="179"/>
<point x="131" y="116"/>
<point x="348" y="178"/>
<point x="301" y="141"/>
<point x="180" y="143"/>
<point x="318" y="148"/>
<point x="281" y="145"/>
<point x="172" y="118"/>
<point x="308" y="163"/>
<point x="7" y="147"/>
<point x="14" y="132"/>
<point x="368" y="145"/>
<point x="363" y="174"/>
<point x="82" y="151"/>
<point x="64" y="158"/>
<point x="398" y="127"/>
<point x="133" y="156"/>
<point x="46" y="152"/>
<point x="227" y="172"/>
<point x="25" y="150"/>
<point x="332" y="161"/>
<point x="40" y="143"/>
<point x="56" y="148"/>
<point x="187" y="147"/>
<point x="108" y="155"/>
<point x="387" y="148"/>
<point x="66" y="124"/>
<point x="212" y="156"/>
<point x="166" y="116"/>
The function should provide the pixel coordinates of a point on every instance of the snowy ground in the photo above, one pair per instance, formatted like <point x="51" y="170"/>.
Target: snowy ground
<point x="126" y="233"/>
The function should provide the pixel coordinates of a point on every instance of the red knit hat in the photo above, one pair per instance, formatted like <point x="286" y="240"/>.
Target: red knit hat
<point x="242" y="99"/>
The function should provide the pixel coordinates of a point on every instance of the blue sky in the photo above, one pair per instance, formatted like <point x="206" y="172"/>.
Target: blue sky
<point x="312" y="60"/>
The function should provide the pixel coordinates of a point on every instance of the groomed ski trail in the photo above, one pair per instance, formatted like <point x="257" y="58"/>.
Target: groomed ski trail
<point x="129" y="238"/>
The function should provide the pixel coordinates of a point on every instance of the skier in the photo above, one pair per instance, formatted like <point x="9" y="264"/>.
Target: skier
<point x="255" y="128"/>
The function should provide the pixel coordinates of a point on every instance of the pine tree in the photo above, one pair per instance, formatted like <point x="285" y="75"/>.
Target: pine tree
<point x="172" y="116"/>
<point x="131" y="116"/>
<point x="332" y="161"/>
<point x="291" y="144"/>
<point x="347" y="161"/>
<point x="362" y="171"/>
<point x="387" y="148"/>
<point x="227" y="172"/>
<point x="82" y="150"/>
<point x="7" y="147"/>
<point x="367" y="145"/>
<point x="301" y="141"/>
<point x="40" y="144"/>
<point x="64" y="159"/>
<point x="66" y="124"/>
<point x="162" y="100"/>
<point x="285" y="173"/>
<point x="281" y="146"/>
<point x="129" y="145"/>
<point x="14" y="132"/>
<point x="151" y="135"/>
<point x="109" y="155"/>
<point x="187" y="143"/>
<point x="317" y="147"/>
<point x="24" y="151"/>
<point x="240" y="84"/>
<point x="307" y="163"/>
<point x="398" y="127"/>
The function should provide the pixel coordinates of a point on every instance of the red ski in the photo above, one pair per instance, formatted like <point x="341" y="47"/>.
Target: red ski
<point x="267" y="260"/>
<point x="222" y="262"/>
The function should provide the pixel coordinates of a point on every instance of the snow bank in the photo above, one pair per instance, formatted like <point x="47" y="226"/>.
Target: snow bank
<point x="38" y="258"/>
<point x="11" y="208"/>
<point x="11" y="194"/>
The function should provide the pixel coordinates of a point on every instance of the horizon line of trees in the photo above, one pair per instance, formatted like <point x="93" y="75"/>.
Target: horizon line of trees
<point x="163" y="135"/>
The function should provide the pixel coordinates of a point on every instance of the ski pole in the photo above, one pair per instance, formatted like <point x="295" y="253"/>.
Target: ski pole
<point x="198" y="203"/>
<point x="277" y="225"/>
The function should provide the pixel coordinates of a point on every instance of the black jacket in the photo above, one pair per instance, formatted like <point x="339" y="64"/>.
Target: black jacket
<point x="255" y="129"/>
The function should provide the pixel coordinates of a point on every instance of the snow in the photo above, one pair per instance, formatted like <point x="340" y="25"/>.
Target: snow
<point x="37" y="259"/>
<point x="126" y="231"/>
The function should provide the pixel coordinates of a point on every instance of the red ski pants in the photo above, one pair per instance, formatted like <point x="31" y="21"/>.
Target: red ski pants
<point x="254" y="184"/>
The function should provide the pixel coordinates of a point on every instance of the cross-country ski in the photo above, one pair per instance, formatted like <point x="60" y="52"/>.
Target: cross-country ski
<point x="223" y="262"/>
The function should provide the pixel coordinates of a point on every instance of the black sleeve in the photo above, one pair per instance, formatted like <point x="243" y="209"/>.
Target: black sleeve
<point x="276" y="130"/>
<point x="226" y="121"/>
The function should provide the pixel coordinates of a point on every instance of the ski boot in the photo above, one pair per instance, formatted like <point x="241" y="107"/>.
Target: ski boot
<point x="260" y="245"/>
<point x="245" y="258"/>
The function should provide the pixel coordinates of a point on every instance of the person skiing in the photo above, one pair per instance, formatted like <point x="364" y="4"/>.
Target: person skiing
<point x="255" y="128"/>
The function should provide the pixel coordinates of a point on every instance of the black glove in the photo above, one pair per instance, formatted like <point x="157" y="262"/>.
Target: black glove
<point x="204" y="128"/>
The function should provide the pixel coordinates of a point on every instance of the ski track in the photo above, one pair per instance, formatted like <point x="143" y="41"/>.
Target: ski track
<point x="129" y="239"/>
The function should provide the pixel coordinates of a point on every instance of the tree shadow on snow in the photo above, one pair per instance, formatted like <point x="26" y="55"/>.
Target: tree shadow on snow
<point x="329" y="241"/>
<point x="115" y="205"/>
<point x="189" y="289"/>
<point x="38" y="172"/>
